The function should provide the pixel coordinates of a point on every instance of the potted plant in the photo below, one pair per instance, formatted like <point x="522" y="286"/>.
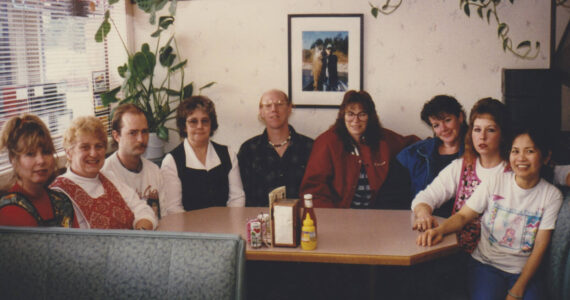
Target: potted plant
<point x="157" y="95"/>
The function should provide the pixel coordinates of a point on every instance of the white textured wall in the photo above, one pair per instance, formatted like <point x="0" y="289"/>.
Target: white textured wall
<point x="423" y="49"/>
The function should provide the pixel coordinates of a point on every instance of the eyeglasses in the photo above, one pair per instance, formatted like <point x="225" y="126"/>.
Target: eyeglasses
<point x="193" y="123"/>
<point x="362" y="116"/>
<point x="278" y="104"/>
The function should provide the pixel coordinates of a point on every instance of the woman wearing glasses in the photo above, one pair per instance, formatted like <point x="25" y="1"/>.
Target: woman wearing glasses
<point x="350" y="161"/>
<point x="200" y="173"/>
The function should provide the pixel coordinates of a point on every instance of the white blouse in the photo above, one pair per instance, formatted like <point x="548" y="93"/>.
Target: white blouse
<point x="173" y="186"/>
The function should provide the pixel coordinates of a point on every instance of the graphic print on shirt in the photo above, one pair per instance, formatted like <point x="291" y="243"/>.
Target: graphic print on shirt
<point x="513" y="229"/>
<point x="150" y="195"/>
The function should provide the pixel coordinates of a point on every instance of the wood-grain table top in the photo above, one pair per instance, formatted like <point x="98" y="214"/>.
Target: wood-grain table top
<point x="351" y="236"/>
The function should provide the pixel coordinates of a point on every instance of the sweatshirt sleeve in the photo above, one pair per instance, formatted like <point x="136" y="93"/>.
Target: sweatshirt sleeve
<point x="140" y="209"/>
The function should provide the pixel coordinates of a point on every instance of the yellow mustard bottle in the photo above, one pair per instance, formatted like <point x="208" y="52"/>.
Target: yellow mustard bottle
<point x="308" y="234"/>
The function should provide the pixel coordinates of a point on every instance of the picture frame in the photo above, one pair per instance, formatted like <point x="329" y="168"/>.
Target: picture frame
<point x="325" y="53"/>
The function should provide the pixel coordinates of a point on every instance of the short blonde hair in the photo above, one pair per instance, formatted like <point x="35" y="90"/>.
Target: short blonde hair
<point x="84" y="125"/>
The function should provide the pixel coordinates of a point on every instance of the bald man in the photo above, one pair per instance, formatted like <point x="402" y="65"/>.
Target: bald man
<point x="275" y="158"/>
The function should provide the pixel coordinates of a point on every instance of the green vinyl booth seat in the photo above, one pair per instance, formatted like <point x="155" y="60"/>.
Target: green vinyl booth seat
<point x="58" y="263"/>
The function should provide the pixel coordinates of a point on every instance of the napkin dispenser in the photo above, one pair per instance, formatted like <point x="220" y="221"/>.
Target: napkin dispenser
<point x="285" y="223"/>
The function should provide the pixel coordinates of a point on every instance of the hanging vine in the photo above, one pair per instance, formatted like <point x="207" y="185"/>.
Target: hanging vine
<point x="484" y="9"/>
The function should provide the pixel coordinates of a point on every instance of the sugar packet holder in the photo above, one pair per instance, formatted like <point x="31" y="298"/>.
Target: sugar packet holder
<point x="258" y="231"/>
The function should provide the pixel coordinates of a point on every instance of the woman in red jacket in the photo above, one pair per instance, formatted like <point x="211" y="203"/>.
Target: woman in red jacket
<point x="350" y="161"/>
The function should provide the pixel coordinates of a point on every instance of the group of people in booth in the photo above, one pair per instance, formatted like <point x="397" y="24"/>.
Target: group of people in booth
<point x="490" y="183"/>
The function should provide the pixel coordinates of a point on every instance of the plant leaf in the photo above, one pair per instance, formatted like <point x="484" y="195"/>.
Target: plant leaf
<point x="111" y="2"/>
<point x="122" y="70"/>
<point x="145" y="5"/>
<point x="179" y="65"/>
<point x="489" y="16"/>
<point x="162" y="132"/>
<point x="160" y="4"/>
<point x="188" y="90"/>
<point x="171" y="92"/>
<point x="207" y="85"/>
<point x="501" y="28"/>
<point x="165" y="21"/>
<point x="172" y="8"/>
<point x="505" y="44"/>
<point x="156" y="33"/>
<point x="374" y="11"/>
<point x="143" y="62"/>
<point x="523" y="44"/>
<point x="166" y="56"/>
<point x="480" y="12"/>
<point x="103" y="31"/>
<point x="467" y="10"/>
<point x="110" y="96"/>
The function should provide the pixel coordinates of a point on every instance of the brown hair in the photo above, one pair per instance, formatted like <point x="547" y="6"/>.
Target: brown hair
<point x="498" y="111"/>
<point x="24" y="134"/>
<point x="188" y="106"/>
<point x="118" y="113"/>
<point x="373" y="131"/>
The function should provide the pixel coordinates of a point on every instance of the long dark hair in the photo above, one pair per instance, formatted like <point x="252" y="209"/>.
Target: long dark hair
<point x="498" y="111"/>
<point x="373" y="131"/>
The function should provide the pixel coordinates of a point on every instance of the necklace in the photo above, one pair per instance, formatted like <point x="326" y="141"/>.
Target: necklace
<point x="285" y="142"/>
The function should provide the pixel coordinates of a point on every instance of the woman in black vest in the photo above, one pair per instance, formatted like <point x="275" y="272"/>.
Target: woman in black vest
<point x="200" y="173"/>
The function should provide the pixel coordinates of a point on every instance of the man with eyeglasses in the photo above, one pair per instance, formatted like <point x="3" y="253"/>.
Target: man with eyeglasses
<point x="275" y="158"/>
<point x="130" y="134"/>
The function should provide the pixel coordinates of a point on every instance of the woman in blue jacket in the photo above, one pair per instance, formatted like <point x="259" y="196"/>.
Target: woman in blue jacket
<point x="426" y="158"/>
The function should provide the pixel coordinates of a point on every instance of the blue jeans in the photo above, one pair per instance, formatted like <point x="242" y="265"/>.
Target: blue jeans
<point x="489" y="283"/>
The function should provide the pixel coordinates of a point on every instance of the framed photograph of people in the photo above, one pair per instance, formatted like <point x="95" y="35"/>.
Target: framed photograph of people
<point x="325" y="58"/>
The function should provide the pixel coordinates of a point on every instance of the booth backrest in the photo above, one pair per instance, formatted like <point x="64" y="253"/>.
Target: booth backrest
<point x="57" y="263"/>
<point x="559" y="256"/>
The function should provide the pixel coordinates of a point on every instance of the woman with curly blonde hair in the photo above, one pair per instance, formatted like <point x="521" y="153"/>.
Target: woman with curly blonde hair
<point x="99" y="201"/>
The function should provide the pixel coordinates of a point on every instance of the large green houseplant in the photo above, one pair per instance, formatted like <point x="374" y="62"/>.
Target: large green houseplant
<point x="157" y="92"/>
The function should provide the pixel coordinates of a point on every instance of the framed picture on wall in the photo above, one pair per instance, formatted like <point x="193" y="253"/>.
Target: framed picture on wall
<point x="325" y="58"/>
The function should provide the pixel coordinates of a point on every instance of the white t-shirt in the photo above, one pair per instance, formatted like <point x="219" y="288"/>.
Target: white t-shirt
<point x="511" y="219"/>
<point x="147" y="183"/>
<point x="444" y="185"/>
<point x="236" y="195"/>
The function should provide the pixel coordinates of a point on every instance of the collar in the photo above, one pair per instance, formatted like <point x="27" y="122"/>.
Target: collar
<point x="192" y="161"/>
<point x="139" y="165"/>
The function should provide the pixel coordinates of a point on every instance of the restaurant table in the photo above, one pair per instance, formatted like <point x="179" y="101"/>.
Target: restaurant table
<point x="346" y="236"/>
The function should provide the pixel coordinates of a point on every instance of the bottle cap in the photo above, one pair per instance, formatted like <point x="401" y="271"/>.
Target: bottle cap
<point x="308" y="196"/>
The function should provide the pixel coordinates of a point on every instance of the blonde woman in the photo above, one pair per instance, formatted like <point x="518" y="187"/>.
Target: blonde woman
<point x="98" y="202"/>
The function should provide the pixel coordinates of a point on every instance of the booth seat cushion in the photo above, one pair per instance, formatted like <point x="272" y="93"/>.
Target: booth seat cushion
<point x="57" y="263"/>
<point x="559" y="256"/>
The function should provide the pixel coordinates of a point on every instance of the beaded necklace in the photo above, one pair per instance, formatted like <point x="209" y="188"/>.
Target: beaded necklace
<point x="285" y="142"/>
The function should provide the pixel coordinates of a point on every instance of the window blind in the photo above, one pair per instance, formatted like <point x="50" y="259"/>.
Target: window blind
<point x="50" y="64"/>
